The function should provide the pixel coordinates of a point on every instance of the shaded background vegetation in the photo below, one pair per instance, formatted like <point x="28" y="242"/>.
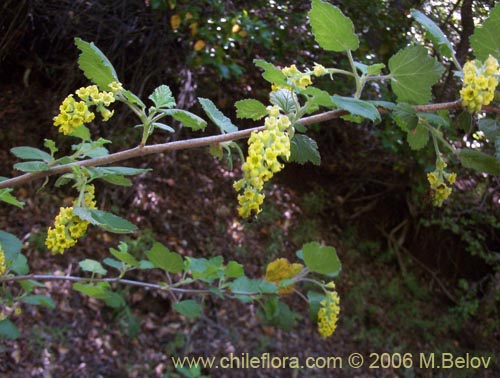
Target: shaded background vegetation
<point x="415" y="278"/>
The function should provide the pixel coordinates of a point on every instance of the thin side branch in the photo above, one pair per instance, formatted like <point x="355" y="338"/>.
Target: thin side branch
<point x="49" y="277"/>
<point x="195" y="143"/>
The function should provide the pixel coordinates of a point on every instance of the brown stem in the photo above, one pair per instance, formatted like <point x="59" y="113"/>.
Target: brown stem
<point x="193" y="143"/>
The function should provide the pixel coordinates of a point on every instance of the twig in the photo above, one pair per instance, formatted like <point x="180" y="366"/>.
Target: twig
<point x="194" y="143"/>
<point x="49" y="277"/>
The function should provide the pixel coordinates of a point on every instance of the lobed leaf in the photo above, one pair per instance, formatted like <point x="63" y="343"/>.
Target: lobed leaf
<point x="162" y="97"/>
<point x="188" y="119"/>
<point x="435" y="34"/>
<point x="357" y="107"/>
<point x="105" y="220"/>
<point x="332" y="30"/>
<point x="217" y="117"/>
<point x="250" y="109"/>
<point x="479" y="161"/>
<point x="484" y="41"/>
<point x="321" y="259"/>
<point x="95" y="65"/>
<point x="413" y="73"/>
<point x="304" y="149"/>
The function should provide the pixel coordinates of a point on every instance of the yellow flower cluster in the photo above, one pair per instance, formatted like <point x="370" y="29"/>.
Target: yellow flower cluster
<point x="68" y="228"/>
<point x="319" y="70"/>
<point x="281" y="269"/>
<point x="295" y="77"/>
<point x="73" y="113"/>
<point x="479" y="83"/>
<point x="440" y="190"/>
<point x="264" y="148"/>
<point x="329" y="312"/>
<point x="3" y="264"/>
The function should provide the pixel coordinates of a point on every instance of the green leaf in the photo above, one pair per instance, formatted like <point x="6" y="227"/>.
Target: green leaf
<point x="163" y="127"/>
<point x="304" y="149"/>
<point x="189" y="308"/>
<point x="418" y="137"/>
<point x="479" y="161"/>
<point x="332" y="30"/>
<point x="234" y="270"/>
<point x="81" y="132"/>
<point x="30" y="153"/>
<point x="20" y="264"/>
<point x="485" y="39"/>
<point x="133" y="99"/>
<point x="384" y="104"/>
<point x="39" y="300"/>
<point x="217" y="117"/>
<point x="162" y="97"/>
<point x="31" y="166"/>
<point x="92" y="266"/>
<point x="250" y="109"/>
<point x="413" y="73"/>
<point x="117" y="180"/>
<point x="434" y="119"/>
<point x="284" y="99"/>
<point x="318" y="97"/>
<point x="105" y="220"/>
<point x="188" y="119"/>
<point x="490" y="128"/>
<point x="6" y="197"/>
<point x="321" y="259"/>
<point x="99" y="290"/>
<point x="11" y="246"/>
<point x="246" y="285"/>
<point x="464" y="121"/>
<point x="206" y="270"/>
<point x="271" y="73"/>
<point x="122" y="254"/>
<point x="113" y="263"/>
<point x="99" y="172"/>
<point x="357" y="107"/>
<point x="405" y="116"/>
<point x="163" y="258"/>
<point x="114" y="300"/>
<point x="279" y="314"/>
<point x="435" y="34"/>
<point x="8" y="330"/>
<point x="314" y="304"/>
<point x="144" y="264"/>
<point x="373" y="69"/>
<point x="94" y="64"/>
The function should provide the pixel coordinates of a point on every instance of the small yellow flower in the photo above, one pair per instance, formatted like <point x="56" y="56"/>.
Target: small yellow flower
<point x="319" y="70"/>
<point x="3" y="264"/>
<point x="115" y="86"/>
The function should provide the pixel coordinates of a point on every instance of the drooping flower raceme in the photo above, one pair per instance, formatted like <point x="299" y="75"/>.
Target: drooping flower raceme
<point x="264" y="149"/>
<point x="68" y="228"/>
<point x="74" y="113"/>
<point x="3" y="265"/>
<point x="329" y="312"/>
<point x="281" y="269"/>
<point x="480" y="81"/>
<point x="437" y="180"/>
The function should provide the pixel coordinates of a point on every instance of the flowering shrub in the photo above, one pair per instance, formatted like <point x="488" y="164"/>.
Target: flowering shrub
<point x="295" y="104"/>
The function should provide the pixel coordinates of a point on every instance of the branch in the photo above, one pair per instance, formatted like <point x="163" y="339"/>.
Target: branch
<point x="194" y="143"/>
<point x="48" y="277"/>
